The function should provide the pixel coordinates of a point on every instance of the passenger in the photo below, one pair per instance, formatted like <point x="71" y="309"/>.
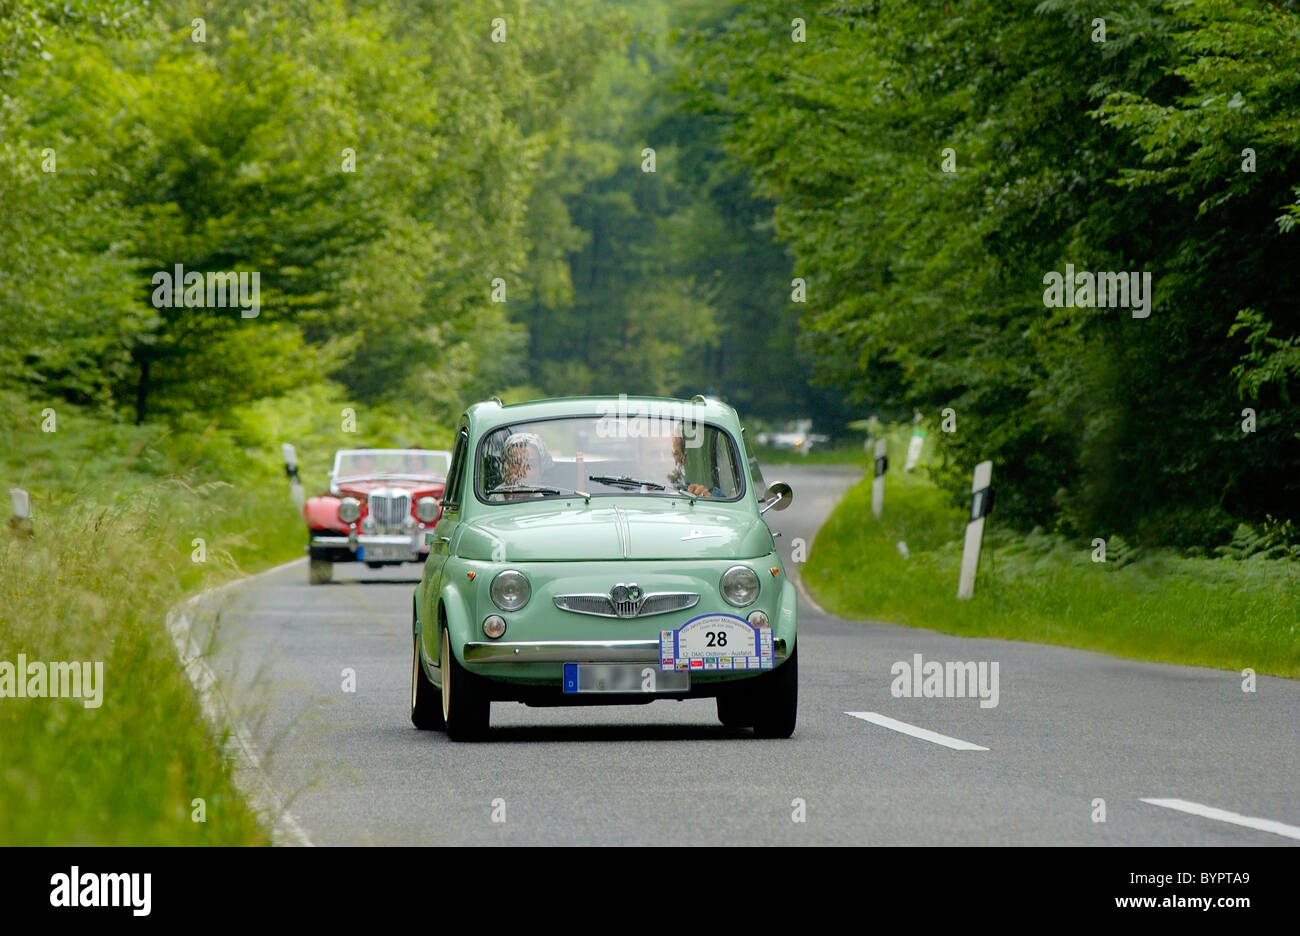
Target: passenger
<point x="524" y="461"/>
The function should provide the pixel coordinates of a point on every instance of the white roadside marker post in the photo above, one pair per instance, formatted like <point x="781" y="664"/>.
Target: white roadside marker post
<point x="981" y="502"/>
<point x="914" y="448"/>
<point x="21" y="521"/>
<point x="291" y="471"/>
<point x="878" y="483"/>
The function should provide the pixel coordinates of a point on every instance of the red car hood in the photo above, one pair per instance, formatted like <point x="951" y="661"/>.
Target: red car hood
<point x="363" y="488"/>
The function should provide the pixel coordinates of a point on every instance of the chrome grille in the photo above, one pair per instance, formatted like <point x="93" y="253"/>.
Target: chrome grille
<point x="586" y="604"/>
<point x="627" y="607"/>
<point x="603" y="606"/>
<point x="389" y="509"/>
<point x="663" y="602"/>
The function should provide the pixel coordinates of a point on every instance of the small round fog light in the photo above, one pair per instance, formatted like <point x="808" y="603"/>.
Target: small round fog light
<point x="494" y="625"/>
<point x="758" y="618"/>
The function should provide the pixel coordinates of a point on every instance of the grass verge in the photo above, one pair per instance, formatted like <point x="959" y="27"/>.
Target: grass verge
<point x="128" y="520"/>
<point x="1225" y="613"/>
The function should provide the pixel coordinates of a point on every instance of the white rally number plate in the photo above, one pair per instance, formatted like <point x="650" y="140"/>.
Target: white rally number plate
<point x="716" y="642"/>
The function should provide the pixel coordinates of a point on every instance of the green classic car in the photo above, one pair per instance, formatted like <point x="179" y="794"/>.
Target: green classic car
<point x="604" y="550"/>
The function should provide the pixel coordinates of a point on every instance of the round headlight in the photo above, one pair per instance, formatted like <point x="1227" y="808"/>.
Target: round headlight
<point x="758" y="618"/>
<point x="494" y="625"/>
<point x="369" y="525"/>
<point x="426" y="508"/>
<point x="740" y="586"/>
<point x="349" y="509"/>
<point x="510" y="590"/>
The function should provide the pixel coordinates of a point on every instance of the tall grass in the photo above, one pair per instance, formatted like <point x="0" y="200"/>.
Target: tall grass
<point x="118" y="509"/>
<point x="1159" y="605"/>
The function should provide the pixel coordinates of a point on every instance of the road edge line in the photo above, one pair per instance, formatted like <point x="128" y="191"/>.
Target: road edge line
<point x="249" y="776"/>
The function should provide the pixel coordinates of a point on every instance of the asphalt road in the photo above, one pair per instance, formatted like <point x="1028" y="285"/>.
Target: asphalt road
<point x="1069" y="728"/>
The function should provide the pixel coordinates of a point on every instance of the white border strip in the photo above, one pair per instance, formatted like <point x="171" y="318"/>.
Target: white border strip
<point x="957" y="744"/>
<point x="1223" y="815"/>
<point x="250" y="777"/>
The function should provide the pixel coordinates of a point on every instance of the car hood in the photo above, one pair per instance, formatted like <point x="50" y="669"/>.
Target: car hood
<point x="364" y="488"/>
<point x="659" y="529"/>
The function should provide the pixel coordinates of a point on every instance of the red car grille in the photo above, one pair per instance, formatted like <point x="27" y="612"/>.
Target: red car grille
<point x="389" y="510"/>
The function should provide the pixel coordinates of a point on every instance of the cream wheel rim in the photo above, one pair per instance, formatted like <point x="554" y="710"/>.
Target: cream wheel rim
<point x="446" y="679"/>
<point x="415" y="673"/>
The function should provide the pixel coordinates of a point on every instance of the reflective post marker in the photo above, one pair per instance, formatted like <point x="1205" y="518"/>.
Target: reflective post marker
<point x="291" y="471"/>
<point x="981" y="502"/>
<point x="914" y="449"/>
<point x="21" y="521"/>
<point x="878" y="483"/>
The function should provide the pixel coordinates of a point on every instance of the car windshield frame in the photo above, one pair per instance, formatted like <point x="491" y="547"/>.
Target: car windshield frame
<point x="338" y="458"/>
<point x="481" y="495"/>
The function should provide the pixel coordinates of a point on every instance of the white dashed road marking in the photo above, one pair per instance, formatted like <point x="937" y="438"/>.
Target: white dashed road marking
<point x="1223" y="815"/>
<point x="923" y="733"/>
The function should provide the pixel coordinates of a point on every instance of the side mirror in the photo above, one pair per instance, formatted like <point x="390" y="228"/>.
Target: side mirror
<point x="779" y="495"/>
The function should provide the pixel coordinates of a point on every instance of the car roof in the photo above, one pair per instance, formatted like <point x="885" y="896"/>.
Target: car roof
<point x="491" y="413"/>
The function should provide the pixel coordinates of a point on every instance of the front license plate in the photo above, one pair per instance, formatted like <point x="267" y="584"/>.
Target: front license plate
<point x="623" y="677"/>
<point x="386" y="552"/>
<point x="716" y="642"/>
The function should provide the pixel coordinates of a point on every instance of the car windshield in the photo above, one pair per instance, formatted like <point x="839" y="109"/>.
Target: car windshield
<point x="370" y="463"/>
<point x="601" y="455"/>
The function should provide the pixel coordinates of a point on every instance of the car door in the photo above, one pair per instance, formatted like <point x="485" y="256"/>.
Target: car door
<point x="443" y="535"/>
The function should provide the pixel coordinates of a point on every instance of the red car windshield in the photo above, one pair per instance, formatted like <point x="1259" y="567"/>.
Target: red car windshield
<point x="371" y="463"/>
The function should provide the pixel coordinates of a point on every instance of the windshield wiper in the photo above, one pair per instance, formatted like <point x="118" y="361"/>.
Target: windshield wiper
<point x="534" y="489"/>
<point x="625" y="481"/>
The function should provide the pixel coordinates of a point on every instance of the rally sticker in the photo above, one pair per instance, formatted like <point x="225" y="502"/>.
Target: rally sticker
<point x="716" y="642"/>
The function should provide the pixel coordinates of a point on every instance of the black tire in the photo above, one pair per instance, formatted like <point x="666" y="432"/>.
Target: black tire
<point x="426" y="700"/>
<point x="776" y="700"/>
<point x="734" y="708"/>
<point x="466" y="707"/>
<point x="320" y="571"/>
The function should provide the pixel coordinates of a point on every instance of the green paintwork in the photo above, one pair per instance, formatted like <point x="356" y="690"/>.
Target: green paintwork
<point x="568" y="545"/>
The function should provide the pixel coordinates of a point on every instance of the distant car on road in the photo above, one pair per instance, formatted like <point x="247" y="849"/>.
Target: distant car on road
<point x="604" y="551"/>
<point x="379" y="504"/>
<point x="801" y="440"/>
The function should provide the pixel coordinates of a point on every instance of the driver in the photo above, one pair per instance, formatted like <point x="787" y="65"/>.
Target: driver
<point x="666" y="463"/>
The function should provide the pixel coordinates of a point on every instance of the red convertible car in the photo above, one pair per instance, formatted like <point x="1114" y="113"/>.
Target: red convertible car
<point x="379" y="505"/>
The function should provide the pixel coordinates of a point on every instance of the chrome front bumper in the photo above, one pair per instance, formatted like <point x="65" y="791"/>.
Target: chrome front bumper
<point x="575" y="651"/>
<point x="414" y="544"/>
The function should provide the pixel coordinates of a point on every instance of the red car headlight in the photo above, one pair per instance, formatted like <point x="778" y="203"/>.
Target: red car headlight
<point x="426" y="509"/>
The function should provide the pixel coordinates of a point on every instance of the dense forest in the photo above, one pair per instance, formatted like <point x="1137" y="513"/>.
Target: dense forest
<point x="846" y="210"/>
